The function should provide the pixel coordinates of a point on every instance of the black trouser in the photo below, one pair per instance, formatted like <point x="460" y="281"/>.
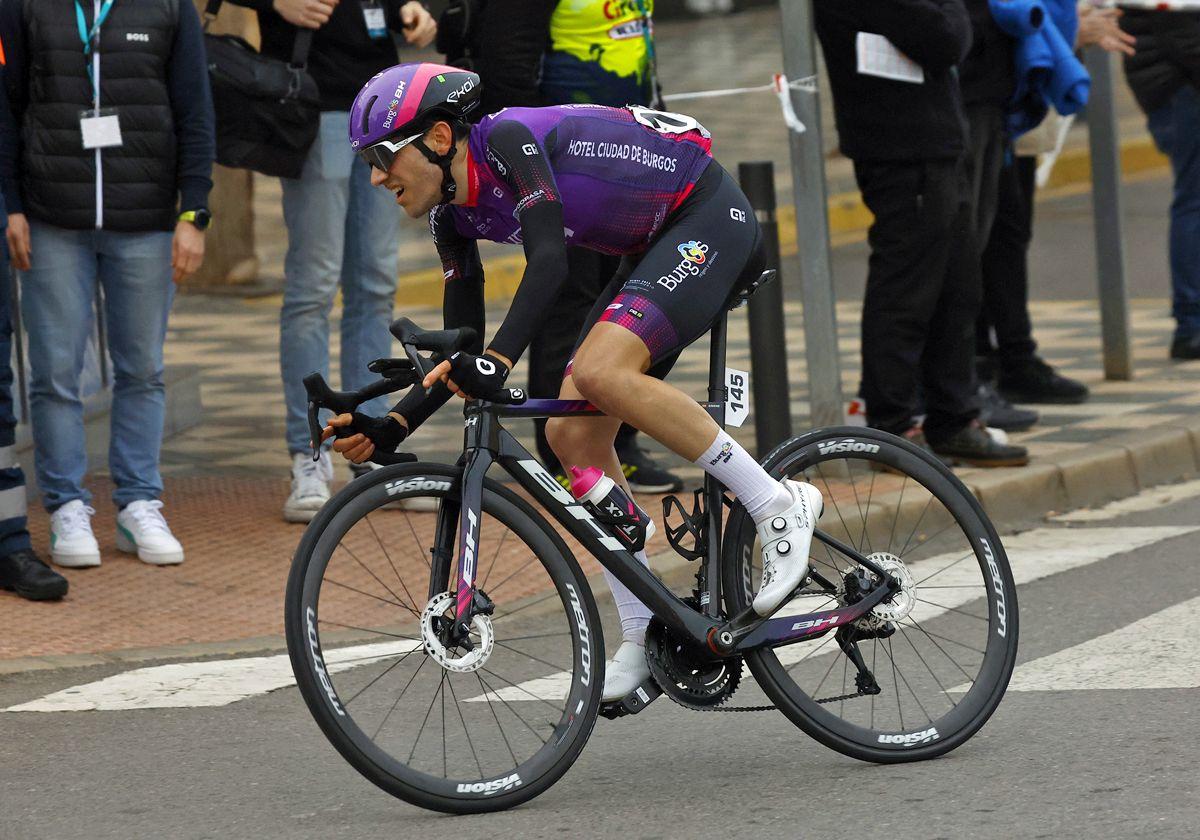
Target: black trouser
<point x="922" y="297"/>
<point x="590" y="271"/>
<point x="1004" y="332"/>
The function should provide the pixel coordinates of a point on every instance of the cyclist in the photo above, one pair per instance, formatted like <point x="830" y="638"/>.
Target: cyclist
<point x="627" y="181"/>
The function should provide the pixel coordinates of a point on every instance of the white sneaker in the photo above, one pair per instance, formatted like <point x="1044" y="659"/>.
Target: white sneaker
<point x="626" y="671"/>
<point x="310" y="487"/>
<point x="142" y="530"/>
<point x="417" y="504"/>
<point x="72" y="543"/>
<point x="785" y="540"/>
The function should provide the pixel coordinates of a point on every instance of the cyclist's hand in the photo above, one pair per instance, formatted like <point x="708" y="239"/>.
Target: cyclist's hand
<point x="472" y="376"/>
<point x="384" y="433"/>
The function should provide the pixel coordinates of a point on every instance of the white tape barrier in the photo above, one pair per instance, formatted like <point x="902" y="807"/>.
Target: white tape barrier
<point x="780" y="86"/>
<point x="1157" y="5"/>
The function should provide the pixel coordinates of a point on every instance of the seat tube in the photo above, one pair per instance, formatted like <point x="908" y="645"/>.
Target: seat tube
<point x="713" y="493"/>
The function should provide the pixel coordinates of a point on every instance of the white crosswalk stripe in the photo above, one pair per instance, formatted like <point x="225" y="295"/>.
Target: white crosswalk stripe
<point x="1033" y="555"/>
<point x="1158" y="651"/>
<point x="192" y="684"/>
<point x="1155" y="652"/>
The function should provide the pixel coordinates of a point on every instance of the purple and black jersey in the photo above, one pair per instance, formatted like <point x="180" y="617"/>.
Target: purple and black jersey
<point x="602" y="178"/>
<point x="616" y="177"/>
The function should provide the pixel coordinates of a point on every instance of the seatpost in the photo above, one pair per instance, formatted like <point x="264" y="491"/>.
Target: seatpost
<point x="716" y="367"/>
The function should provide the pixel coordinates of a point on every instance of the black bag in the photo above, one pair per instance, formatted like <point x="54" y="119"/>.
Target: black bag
<point x="268" y="111"/>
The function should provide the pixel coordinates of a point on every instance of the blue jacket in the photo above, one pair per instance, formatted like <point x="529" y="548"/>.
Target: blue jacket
<point x="1048" y="73"/>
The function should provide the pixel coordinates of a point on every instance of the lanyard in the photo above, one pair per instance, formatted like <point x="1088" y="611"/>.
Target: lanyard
<point x="91" y="37"/>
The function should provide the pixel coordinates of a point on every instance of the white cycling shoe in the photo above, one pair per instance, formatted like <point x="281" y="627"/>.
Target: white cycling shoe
<point x="785" y="540"/>
<point x="626" y="671"/>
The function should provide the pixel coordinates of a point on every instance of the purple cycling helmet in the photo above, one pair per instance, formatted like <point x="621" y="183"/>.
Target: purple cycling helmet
<point x="398" y="105"/>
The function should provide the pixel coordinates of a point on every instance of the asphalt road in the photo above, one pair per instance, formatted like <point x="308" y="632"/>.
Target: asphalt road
<point x="1073" y="754"/>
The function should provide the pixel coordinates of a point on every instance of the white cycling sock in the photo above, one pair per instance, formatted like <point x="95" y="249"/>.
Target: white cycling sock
<point x="634" y="614"/>
<point x="761" y="495"/>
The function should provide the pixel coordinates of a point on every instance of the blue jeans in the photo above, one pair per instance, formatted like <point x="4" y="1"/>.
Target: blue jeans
<point x="341" y="230"/>
<point x="14" y="533"/>
<point x="1176" y="130"/>
<point x="58" y="304"/>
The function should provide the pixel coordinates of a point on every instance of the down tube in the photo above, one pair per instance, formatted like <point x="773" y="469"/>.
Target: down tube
<point x="662" y="602"/>
<point x="468" y="526"/>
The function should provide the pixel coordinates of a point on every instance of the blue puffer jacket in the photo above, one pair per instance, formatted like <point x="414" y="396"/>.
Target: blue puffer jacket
<point x="1048" y="73"/>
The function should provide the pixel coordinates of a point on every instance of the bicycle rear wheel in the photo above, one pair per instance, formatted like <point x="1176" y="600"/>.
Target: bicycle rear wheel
<point x="941" y="651"/>
<point x="455" y="728"/>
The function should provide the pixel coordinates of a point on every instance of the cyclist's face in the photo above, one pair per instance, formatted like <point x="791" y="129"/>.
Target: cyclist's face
<point x="416" y="182"/>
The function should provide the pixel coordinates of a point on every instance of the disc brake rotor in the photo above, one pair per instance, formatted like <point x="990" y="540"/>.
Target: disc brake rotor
<point x="437" y="618"/>
<point x="893" y="609"/>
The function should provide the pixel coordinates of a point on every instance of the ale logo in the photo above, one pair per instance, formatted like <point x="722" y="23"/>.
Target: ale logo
<point x="693" y="251"/>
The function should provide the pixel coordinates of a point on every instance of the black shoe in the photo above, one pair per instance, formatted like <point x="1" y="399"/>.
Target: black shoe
<point x="973" y="445"/>
<point x="915" y="436"/>
<point x="645" y="476"/>
<point x="26" y="574"/>
<point x="1186" y="348"/>
<point x="1033" y="381"/>
<point x="999" y="413"/>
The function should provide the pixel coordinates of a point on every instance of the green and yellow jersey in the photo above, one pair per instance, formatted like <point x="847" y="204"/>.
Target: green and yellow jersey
<point x="600" y="52"/>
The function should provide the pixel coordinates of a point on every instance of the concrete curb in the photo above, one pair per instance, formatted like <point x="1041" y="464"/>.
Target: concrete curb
<point x="1014" y="499"/>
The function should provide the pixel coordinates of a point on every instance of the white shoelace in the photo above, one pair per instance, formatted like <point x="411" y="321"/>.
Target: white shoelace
<point x="72" y="518"/>
<point x="147" y="517"/>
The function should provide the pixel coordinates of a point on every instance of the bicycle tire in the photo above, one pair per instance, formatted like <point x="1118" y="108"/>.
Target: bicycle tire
<point x="540" y="771"/>
<point x="901" y="457"/>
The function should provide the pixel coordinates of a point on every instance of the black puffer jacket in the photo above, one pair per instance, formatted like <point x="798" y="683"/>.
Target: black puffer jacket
<point x="1167" y="57"/>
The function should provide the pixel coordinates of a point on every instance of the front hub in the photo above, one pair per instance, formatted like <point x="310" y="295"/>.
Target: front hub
<point x="453" y="651"/>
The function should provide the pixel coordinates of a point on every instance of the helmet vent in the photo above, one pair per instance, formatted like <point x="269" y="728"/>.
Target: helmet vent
<point x="366" y="114"/>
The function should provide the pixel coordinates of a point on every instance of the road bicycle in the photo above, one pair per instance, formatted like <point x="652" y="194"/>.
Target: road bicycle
<point x="456" y="658"/>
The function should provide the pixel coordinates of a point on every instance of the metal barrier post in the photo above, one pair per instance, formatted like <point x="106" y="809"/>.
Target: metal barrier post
<point x="1106" y="213"/>
<point x="768" y="345"/>
<point x="812" y="223"/>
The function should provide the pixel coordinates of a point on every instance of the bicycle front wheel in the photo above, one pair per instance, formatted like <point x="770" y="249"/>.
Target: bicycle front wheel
<point x="460" y="727"/>
<point x="939" y="653"/>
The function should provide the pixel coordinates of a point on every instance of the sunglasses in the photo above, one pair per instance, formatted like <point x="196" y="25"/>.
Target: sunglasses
<point x="380" y="155"/>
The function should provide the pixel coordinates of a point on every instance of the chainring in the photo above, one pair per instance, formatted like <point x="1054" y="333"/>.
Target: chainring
<point x="690" y="677"/>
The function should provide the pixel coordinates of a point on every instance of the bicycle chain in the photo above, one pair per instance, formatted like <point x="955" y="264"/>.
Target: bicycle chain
<point x="773" y="708"/>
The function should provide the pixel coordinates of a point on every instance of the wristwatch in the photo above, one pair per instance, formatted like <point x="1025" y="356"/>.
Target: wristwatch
<point x="201" y="218"/>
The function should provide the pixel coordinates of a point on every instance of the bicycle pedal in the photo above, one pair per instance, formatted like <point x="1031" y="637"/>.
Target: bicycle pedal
<point x="633" y="702"/>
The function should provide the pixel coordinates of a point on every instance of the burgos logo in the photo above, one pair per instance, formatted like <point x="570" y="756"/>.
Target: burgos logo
<point x="695" y="254"/>
<point x="693" y="251"/>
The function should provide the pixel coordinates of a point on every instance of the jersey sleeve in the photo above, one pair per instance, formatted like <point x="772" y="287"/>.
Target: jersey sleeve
<point x="462" y="306"/>
<point x="520" y="161"/>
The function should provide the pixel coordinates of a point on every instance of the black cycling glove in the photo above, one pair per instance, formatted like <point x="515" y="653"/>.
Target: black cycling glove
<point x="479" y="376"/>
<point x="385" y="432"/>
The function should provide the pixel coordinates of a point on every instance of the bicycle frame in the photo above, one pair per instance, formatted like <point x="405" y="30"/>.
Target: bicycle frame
<point x="486" y="443"/>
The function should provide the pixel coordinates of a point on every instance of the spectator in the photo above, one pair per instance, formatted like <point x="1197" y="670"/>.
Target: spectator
<point x="906" y="137"/>
<point x="1165" y="77"/>
<point x="340" y="231"/>
<point x="1006" y="347"/>
<point x="105" y="168"/>
<point x="21" y="570"/>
